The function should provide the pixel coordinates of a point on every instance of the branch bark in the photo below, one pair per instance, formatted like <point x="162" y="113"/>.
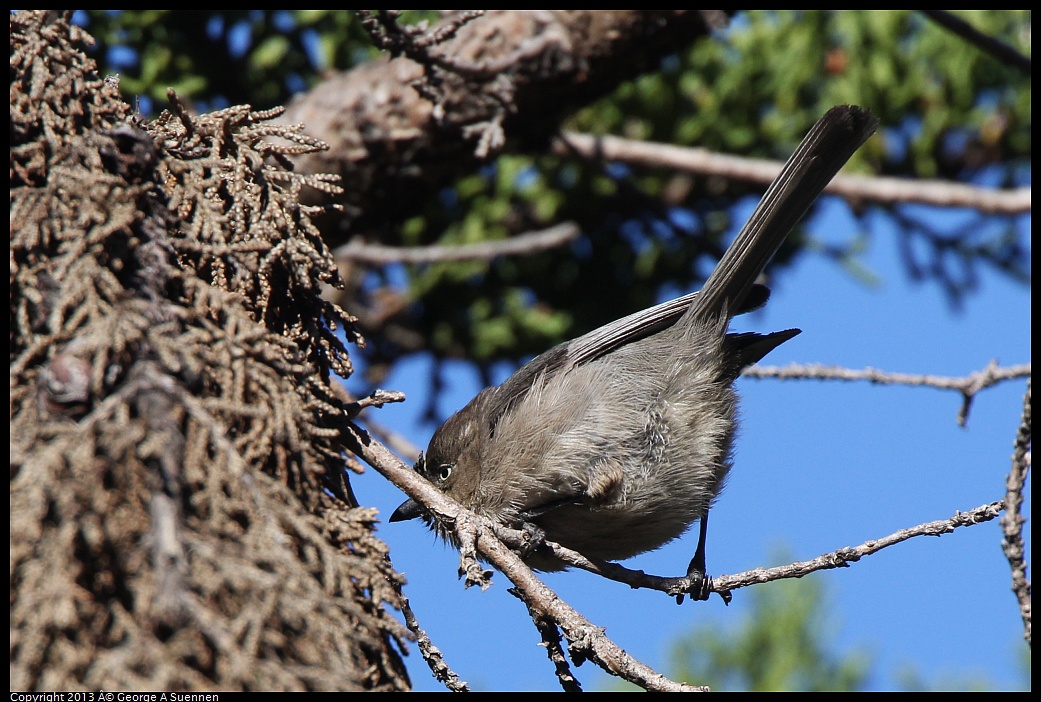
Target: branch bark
<point x="398" y="129"/>
<point x="878" y="189"/>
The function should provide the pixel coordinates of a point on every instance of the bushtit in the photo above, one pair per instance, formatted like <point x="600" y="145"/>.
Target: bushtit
<point x="616" y="442"/>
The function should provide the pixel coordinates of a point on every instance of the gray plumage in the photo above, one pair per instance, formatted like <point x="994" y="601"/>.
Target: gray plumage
<point x="616" y="442"/>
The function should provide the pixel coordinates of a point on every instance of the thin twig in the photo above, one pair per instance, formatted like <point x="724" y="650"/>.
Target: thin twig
<point x="393" y="439"/>
<point x="1012" y="521"/>
<point x="839" y="558"/>
<point x="522" y="244"/>
<point x="585" y="639"/>
<point x="551" y="641"/>
<point x="843" y="557"/>
<point x="995" y="47"/>
<point x="431" y="653"/>
<point x="763" y="171"/>
<point x="377" y="398"/>
<point x="968" y="385"/>
<point x="478" y="535"/>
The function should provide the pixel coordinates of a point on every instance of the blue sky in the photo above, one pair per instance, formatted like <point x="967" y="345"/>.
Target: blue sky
<point x="819" y="465"/>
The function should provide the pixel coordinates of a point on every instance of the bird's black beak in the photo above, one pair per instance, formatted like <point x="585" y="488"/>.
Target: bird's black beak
<point x="409" y="509"/>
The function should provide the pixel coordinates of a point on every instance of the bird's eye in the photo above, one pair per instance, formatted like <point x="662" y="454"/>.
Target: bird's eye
<point x="444" y="472"/>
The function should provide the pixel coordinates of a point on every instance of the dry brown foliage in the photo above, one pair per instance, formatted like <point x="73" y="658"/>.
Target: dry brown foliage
<point x="179" y="514"/>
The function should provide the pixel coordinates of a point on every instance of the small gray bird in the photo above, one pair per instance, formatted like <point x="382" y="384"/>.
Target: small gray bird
<point x="616" y="442"/>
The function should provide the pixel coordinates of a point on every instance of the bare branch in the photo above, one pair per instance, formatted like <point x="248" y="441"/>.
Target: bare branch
<point x="551" y="640"/>
<point x="839" y="558"/>
<point x="843" y="557"/>
<point x="585" y="639"/>
<point x="519" y="245"/>
<point x="377" y="398"/>
<point x="431" y="653"/>
<point x="400" y="130"/>
<point x="995" y="47"/>
<point x="479" y="537"/>
<point x="393" y="439"/>
<point x="968" y="385"/>
<point x="1012" y="522"/>
<point x="763" y="171"/>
